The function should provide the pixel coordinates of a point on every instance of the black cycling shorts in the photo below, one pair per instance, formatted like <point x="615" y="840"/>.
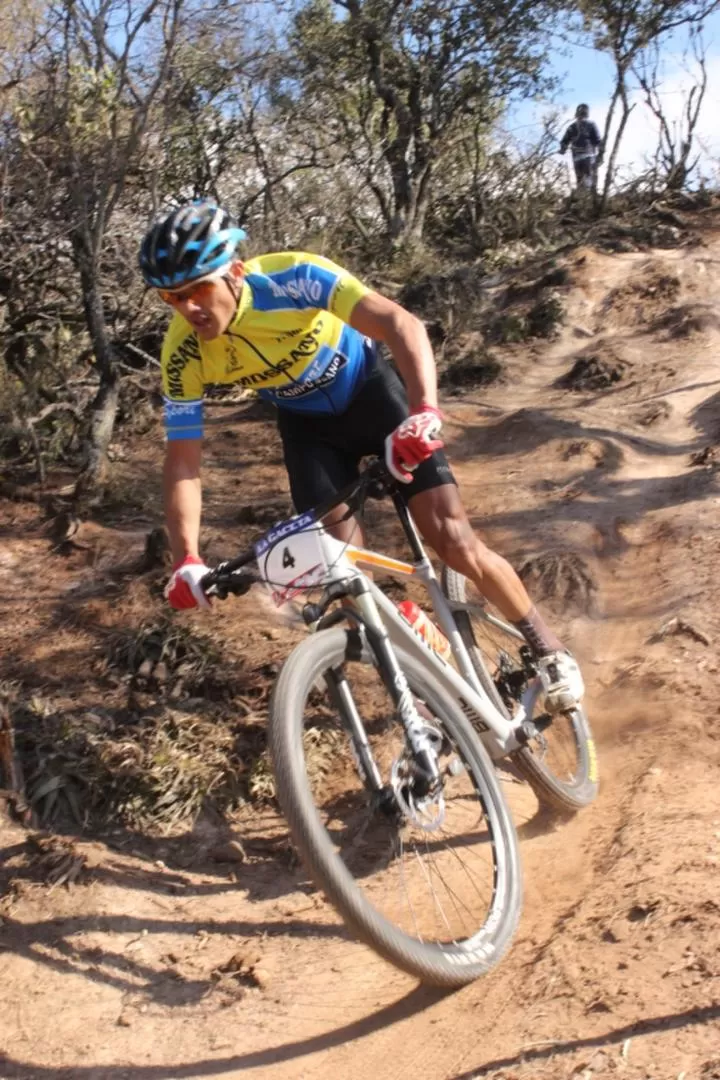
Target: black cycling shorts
<point x="322" y="453"/>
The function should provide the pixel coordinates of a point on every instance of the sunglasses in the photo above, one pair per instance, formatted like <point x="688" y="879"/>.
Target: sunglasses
<point x="202" y="291"/>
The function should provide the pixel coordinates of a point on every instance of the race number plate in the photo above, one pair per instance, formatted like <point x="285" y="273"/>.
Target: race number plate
<point x="292" y="564"/>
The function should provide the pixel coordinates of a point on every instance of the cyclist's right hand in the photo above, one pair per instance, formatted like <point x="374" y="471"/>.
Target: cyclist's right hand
<point x="183" y="589"/>
<point x="413" y="441"/>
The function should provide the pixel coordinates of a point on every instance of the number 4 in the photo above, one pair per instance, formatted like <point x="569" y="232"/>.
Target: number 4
<point x="287" y="560"/>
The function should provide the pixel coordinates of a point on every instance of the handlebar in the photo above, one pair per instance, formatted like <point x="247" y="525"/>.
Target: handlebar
<point x="221" y="582"/>
<point x="236" y="577"/>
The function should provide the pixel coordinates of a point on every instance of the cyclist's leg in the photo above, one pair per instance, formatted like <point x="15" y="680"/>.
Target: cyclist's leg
<point x="322" y="453"/>
<point x="438" y="511"/>
<point x="441" y="518"/>
<point x="435" y="504"/>
<point x="440" y="515"/>
<point x="317" y="469"/>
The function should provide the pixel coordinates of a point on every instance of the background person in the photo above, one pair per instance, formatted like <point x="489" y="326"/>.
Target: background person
<point x="583" y="137"/>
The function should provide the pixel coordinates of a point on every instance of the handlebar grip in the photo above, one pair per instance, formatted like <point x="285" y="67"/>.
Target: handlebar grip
<point x="221" y="582"/>
<point x="208" y="580"/>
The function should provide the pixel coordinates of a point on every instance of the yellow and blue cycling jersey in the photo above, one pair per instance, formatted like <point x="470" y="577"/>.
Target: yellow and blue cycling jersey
<point x="289" y="340"/>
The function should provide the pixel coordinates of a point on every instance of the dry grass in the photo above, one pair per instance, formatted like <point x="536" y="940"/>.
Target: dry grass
<point x="179" y="734"/>
<point x="183" y="741"/>
<point x="176" y="661"/>
<point x="323" y="747"/>
<point x="173" y="765"/>
<point x="88" y="770"/>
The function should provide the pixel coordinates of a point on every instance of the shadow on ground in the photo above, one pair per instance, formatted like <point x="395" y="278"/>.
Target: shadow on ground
<point x="552" y="1050"/>
<point x="409" y="1005"/>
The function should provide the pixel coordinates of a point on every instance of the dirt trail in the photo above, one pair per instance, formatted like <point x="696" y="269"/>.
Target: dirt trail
<point x="155" y="966"/>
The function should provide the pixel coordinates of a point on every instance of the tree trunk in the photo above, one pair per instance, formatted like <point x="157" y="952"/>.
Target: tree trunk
<point x="627" y="108"/>
<point x="11" y="775"/>
<point x="103" y="411"/>
<point x="102" y="422"/>
<point x="422" y="182"/>
<point x="402" y="196"/>
<point x="412" y="199"/>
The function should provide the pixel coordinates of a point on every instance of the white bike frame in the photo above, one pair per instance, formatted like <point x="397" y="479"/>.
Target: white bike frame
<point x="333" y="562"/>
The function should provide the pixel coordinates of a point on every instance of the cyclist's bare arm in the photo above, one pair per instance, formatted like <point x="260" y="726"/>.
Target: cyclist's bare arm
<point x="183" y="496"/>
<point x="406" y="337"/>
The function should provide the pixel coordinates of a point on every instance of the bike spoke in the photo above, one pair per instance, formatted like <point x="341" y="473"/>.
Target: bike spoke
<point x="559" y="759"/>
<point x="556" y="748"/>
<point x="456" y="899"/>
<point x="427" y="872"/>
<point x="401" y="868"/>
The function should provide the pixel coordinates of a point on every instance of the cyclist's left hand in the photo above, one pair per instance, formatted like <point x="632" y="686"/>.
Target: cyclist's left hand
<point x="413" y="441"/>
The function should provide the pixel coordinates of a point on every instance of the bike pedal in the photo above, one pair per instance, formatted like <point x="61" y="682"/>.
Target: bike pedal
<point x="530" y="729"/>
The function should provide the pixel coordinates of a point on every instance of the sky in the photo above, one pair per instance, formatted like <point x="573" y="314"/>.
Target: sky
<point x="587" y="75"/>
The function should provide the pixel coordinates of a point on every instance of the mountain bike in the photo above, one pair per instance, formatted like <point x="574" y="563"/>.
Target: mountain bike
<point x="384" y="753"/>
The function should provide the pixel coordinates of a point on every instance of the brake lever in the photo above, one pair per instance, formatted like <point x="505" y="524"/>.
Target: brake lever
<point x="238" y="583"/>
<point x="217" y="589"/>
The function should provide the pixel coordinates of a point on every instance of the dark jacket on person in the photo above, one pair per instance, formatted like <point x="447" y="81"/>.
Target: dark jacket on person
<point x="584" y="138"/>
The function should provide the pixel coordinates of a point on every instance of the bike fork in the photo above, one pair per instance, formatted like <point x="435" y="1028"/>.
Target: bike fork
<point x="397" y="686"/>
<point x="343" y="701"/>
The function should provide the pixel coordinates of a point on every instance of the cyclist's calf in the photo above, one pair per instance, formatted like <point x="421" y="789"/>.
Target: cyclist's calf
<point x="442" y="521"/>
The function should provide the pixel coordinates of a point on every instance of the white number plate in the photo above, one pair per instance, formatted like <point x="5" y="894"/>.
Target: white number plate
<point x="293" y="564"/>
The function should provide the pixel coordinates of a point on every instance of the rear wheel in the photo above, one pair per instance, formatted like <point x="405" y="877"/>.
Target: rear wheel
<point x="431" y="882"/>
<point x="560" y="762"/>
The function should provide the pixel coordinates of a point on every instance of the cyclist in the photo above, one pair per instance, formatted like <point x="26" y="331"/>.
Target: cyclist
<point x="584" y="139"/>
<point x="304" y="333"/>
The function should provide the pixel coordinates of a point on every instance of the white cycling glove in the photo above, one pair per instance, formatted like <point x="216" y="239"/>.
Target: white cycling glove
<point x="413" y="441"/>
<point x="183" y="589"/>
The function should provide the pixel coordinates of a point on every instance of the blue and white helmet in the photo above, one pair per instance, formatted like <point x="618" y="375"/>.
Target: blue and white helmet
<point x="192" y="242"/>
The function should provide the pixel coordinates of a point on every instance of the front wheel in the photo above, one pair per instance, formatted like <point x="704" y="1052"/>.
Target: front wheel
<point x="431" y="881"/>
<point x="560" y="763"/>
